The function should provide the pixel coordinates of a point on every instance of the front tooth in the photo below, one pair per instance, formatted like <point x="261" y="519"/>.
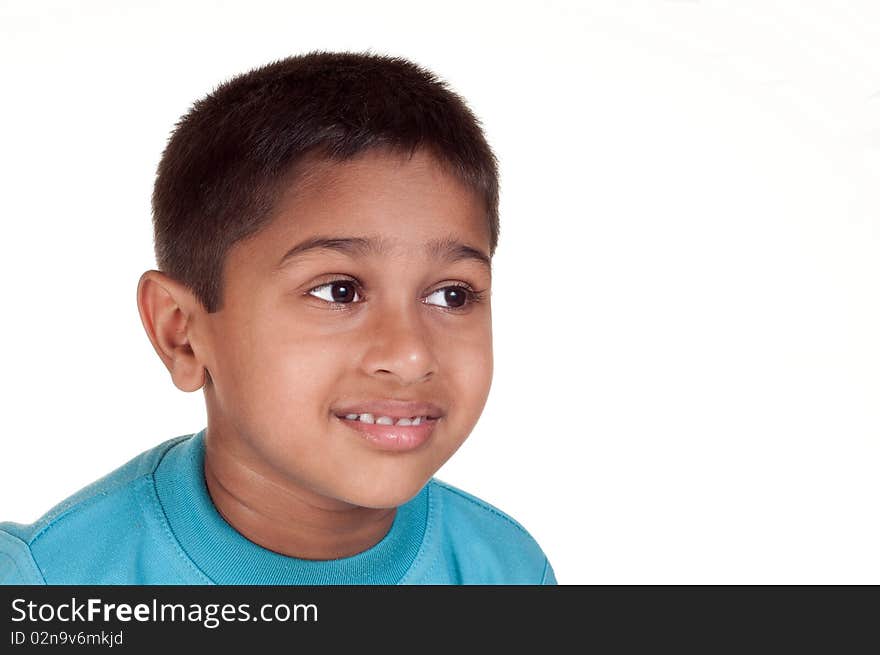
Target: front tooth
<point x="367" y="418"/>
<point x="404" y="421"/>
<point x="417" y="421"/>
<point x="384" y="420"/>
<point x="352" y="417"/>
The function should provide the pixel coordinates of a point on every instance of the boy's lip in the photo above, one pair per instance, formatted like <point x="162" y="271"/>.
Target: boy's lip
<point x="393" y="438"/>
<point x="390" y="408"/>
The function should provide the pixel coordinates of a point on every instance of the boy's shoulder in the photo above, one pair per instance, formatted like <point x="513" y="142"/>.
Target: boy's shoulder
<point x="40" y="552"/>
<point x="476" y="543"/>
<point x="467" y="510"/>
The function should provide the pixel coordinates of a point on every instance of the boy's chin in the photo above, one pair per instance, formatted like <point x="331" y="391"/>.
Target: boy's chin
<point x="385" y="495"/>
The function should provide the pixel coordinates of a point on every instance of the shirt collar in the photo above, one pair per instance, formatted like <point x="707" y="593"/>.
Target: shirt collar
<point x="227" y="557"/>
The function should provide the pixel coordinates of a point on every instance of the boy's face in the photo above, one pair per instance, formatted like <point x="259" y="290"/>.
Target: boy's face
<point x="286" y="362"/>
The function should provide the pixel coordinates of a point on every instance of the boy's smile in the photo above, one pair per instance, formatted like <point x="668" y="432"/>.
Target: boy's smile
<point x="392" y="425"/>
<point x="364" y="301"/>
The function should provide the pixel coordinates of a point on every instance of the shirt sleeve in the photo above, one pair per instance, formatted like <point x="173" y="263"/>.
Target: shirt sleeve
<point x="549" y="576"/>
<point x="17" y="566"/>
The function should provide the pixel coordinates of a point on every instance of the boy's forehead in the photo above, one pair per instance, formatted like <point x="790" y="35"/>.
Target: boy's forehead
<point x="377" y="173"/>
<point x="450" y="248"/>
<point x="379" y="202"/>
<point x="317" y="168"/>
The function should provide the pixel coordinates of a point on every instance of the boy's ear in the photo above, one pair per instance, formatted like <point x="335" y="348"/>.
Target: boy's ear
<point x="168" y="310"/>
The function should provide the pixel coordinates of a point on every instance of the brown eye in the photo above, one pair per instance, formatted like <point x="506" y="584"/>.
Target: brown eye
<point x="453" y="297"/>
<point x="342" y="292"/>
<point x="338" y="291"/>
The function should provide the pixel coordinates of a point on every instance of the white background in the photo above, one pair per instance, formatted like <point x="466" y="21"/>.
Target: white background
<point x="686" y="302"/>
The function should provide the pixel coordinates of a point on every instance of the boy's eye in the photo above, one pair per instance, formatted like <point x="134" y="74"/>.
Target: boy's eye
<point x="344" y="292"/>
<point x="340" y="291"/>
<point x="454" y="296"/>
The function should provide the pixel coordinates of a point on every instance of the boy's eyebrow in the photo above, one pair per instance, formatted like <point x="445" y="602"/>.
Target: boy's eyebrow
<point x="449" y="249"/>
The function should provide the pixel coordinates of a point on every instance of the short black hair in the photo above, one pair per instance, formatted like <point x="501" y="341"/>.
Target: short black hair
<point x="228" y="156"/>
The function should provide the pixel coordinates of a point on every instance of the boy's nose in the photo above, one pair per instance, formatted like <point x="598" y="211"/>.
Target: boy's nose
<point x="400" y="344"/>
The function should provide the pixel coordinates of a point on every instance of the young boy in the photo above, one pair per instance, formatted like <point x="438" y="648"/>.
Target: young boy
<point x="324" y="228"/>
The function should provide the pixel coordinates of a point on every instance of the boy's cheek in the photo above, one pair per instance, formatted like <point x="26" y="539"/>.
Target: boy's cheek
<point x="474" y="374"/>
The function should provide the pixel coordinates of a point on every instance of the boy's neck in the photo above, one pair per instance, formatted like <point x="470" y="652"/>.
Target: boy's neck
<point x="287" y="521"/>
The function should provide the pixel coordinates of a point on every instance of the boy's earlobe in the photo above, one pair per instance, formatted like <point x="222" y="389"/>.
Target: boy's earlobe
<point x="166" y="309"/>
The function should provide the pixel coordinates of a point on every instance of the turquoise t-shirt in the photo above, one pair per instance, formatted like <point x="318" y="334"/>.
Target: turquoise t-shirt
<point x="152" y="521"/>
